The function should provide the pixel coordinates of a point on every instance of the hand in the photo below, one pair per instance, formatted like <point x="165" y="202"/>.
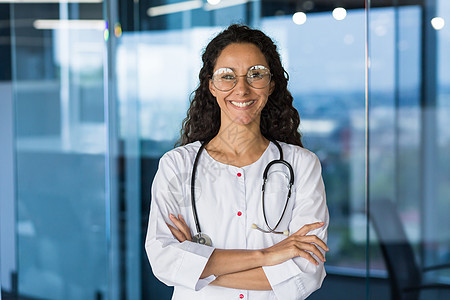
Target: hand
<point x="298" y="244"/>
<point x="181" y="232"/>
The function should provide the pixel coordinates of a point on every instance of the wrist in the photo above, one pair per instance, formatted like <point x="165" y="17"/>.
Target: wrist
<point x="260" y="257"/>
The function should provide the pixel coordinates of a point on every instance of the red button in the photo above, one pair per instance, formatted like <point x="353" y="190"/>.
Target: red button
<point x="238" y="174"/>
<point x="239" y="213"/>
<point x="241" y="296"/>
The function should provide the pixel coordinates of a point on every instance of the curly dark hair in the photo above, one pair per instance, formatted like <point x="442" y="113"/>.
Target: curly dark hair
<point x="279" y="119"/>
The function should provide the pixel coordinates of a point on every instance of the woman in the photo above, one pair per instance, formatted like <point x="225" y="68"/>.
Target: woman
<point x="241" y="112"/>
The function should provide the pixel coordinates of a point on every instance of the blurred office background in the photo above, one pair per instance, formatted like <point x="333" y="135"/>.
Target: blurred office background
<point x="93" y="92"/>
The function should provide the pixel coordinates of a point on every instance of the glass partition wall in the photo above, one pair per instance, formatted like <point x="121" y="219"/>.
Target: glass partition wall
<point x="95" y="107"/>
<point x="62" y="151"/>
<point x="408" y="147"/>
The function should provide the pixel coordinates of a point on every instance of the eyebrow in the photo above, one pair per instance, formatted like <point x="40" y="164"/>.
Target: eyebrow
<point x="234" y="70"/>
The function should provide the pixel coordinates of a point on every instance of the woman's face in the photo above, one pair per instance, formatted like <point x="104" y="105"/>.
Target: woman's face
<point x="243" y="103"/>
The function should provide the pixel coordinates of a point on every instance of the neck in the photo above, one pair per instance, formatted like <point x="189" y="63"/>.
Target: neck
<point x="237" y="139"/>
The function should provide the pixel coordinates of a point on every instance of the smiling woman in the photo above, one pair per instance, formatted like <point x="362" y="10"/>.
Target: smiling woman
<point x="242" y="116"/>
<point x="241" y="100"/>
<point x="279" y="119"/>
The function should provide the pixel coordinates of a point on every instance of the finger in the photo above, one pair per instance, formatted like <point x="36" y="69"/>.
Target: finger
<point x="308" y="256"/>
<point x="181" y="226"/>
<point x="313" y="249"/>
<point x="185" y="227"/>
<point x="176" y="222"/>
<point x="309" y="227"/>
<point x="314" y="239"/>
<point x="176" y="233"/>
<point x="307" y="243"/>
<point x="188" y="230"/>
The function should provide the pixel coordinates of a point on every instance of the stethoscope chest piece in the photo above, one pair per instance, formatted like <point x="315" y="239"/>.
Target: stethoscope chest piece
<point x="202" y="239"/>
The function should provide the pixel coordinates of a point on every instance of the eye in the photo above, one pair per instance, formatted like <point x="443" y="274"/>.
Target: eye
<point x="228" y="76"/>
<point x="255" y="75"/>
<point x="224" y="74"/>
<point x="257" y="72"/>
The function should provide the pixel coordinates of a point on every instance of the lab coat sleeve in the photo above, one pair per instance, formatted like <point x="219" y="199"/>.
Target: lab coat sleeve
<point x="172" y="262"/>
<point x="297" y="278"/>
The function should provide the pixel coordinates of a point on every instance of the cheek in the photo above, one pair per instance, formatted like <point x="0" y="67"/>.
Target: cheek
<point x="224" y="96"/>
<point x="272" y="87"/>
<point x="265" y="96"/>
<point x="221" y="99"/>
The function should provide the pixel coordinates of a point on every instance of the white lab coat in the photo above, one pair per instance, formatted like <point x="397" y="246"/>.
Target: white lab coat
<point x="228" y="201"/>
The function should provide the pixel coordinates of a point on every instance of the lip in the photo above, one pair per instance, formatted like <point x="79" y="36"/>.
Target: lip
<point x="242" y="108"/>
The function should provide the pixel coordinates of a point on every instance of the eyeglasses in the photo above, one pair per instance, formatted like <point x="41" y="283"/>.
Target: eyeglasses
<point x="225" y="79"/>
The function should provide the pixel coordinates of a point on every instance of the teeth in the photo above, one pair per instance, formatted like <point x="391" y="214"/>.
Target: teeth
<point x="242" y="104"/>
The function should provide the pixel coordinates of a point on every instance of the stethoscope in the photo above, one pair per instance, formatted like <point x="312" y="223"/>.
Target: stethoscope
<point x="203" y="238"/>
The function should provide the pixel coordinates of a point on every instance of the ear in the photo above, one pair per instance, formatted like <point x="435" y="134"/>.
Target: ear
<point x="272" y="87"/>
<point x="211" y="88"/>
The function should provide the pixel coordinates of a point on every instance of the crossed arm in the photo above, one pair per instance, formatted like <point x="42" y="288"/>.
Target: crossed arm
<point x="242" y="269"/>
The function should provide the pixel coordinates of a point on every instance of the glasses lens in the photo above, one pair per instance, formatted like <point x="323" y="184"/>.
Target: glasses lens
<point x="224" y="79"/>
<point x="258" y="77"/>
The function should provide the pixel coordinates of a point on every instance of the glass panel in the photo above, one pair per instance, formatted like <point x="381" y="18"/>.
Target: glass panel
<point x="61" y="149"/>
<point x="395" y="115"/>
<point x="328" y="89"/>
<point x="409" y="93"/>
<point x="439" y="250"/>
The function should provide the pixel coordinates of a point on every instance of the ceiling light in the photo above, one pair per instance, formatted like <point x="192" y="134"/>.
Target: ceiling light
<point x="174" y="8"/>
<point x="48" y="1"/>
<point x="339" y="13"/>
<point x="438" y="23"/>
<point x="213" y="2"/>
<point x="299" y="18"/>
<point x="70" y="24"/>
<point x="223" y="4"/>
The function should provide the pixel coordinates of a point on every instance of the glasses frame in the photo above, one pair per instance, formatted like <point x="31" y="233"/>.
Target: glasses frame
<point x="246" y="75"/>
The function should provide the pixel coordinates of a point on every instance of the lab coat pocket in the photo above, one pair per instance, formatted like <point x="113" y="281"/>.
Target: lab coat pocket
<point x="275" y="197"/>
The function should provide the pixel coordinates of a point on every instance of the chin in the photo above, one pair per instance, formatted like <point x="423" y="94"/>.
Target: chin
<point x="244" y="120"/>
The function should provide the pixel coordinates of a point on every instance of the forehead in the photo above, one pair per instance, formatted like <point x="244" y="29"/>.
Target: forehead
<point x="240" y="57"/>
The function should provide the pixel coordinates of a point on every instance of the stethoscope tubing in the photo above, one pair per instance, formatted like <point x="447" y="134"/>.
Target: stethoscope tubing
<point x="265" y="173"/>
<point x="194" y="170"/>
<point x="291" y="182"/>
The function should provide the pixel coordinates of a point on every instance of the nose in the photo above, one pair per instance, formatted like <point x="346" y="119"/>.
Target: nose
<point x="242" y="87"/>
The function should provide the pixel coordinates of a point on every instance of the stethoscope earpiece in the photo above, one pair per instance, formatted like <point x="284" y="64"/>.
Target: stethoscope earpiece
<point x="286" y="232"/>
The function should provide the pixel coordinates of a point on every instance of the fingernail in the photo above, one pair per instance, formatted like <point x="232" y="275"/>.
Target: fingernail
<point x="171" y="216"/>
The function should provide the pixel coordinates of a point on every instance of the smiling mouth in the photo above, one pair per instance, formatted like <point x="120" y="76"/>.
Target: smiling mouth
<point x="242" y="104"/>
